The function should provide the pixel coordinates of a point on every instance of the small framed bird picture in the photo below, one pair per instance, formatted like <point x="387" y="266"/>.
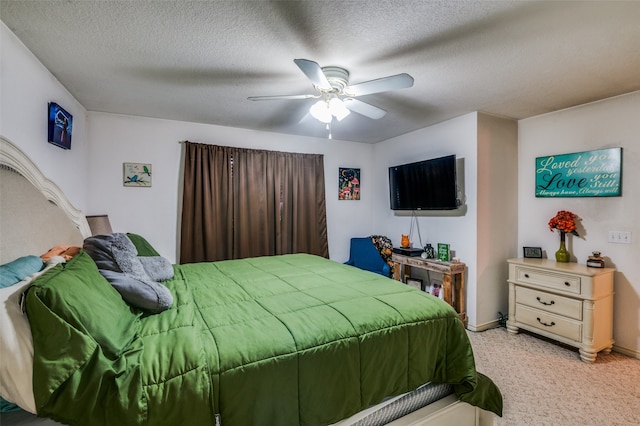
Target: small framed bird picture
<point x="136" y="174"/>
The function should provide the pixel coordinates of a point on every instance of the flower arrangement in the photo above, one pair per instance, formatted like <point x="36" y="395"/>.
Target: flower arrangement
<point x="564" y="221"/>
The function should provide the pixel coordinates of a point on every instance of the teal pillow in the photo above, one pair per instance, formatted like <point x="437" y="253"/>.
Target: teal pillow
<point x="142" y="246"/>
<point x="6" y="406"/>
<point x="19" y="269"/>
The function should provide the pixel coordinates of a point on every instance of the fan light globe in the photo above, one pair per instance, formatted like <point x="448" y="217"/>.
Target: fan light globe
<point x="338" y="109"/>
<point x="320" y="111"/>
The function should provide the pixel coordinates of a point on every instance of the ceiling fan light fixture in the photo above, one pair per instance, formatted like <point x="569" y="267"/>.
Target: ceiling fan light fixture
<point x="338" y="109"/>
<point x="320" y="111"/>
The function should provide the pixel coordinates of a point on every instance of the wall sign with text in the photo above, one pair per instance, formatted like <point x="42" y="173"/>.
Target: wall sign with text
<point x="580" y="174"/>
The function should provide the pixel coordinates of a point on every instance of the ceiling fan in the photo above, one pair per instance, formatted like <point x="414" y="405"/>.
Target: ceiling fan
<point x="336" y="97"/>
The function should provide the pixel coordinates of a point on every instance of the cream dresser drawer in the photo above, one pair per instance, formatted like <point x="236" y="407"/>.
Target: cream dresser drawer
<point x="561" y="282"/>
<point x="550" y="323"/>
<point x="568" y="302"/>
<point x="549" y="302"/>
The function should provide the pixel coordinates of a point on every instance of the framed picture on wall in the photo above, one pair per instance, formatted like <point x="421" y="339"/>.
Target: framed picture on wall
<point x="60" y="126"/>
<point x="348" y="183"/>
<point x="580" y="174"/>
<point x="136" y="174"/>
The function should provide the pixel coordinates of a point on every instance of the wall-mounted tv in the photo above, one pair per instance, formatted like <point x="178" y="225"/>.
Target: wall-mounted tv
<point x="60" y="126"/>
<point x="424" y="185"/>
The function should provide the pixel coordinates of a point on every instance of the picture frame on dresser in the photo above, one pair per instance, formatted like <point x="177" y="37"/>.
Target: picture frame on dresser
<point x="532" y="252"/>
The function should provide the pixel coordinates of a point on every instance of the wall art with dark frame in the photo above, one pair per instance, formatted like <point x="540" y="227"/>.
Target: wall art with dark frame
<point x="348" y="183"/>
<point x="60" y="126"/>
<point x="580" y="174"/>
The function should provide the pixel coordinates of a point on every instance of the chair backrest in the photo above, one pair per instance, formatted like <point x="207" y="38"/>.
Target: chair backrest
<point x="364" y="255"/>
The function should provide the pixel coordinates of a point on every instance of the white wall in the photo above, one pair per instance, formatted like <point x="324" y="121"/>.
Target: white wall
<point x="154" y="212"/>
<point x="483" y="231"/>
<point x="457" y="136"/>
<point x="27" y="87"/>
<point x="497" y="212"/>
<point x="606" y="124"/>
<point x="457" y="228"/>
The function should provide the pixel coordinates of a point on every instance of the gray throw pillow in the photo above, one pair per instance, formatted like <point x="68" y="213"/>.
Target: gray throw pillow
<point x="117" y="260"/>
<point x="144" y="294"/>
<point x="158" y="268"/>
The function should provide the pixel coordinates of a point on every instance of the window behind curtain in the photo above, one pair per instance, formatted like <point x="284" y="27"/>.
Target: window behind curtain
<point x="240" y="202"/>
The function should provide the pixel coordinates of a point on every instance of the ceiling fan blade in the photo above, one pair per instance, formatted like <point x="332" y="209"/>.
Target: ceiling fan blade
<point x="364" y="108"/>
<point x="314" y="73"/>
<point x="384" y="84"/>
<point x="273" y="98"/>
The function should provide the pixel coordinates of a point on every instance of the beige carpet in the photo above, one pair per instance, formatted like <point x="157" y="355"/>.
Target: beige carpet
<point x="544" y="383"/>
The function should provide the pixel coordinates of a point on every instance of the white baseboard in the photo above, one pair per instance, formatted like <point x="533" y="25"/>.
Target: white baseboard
<point x="625" y="351"/>
<point x="483" y="327"/>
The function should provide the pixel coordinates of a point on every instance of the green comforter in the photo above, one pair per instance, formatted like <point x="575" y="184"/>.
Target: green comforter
<point x="283" y="340"/>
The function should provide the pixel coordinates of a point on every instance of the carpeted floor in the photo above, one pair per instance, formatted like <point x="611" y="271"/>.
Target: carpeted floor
<point x="544" y="383"/>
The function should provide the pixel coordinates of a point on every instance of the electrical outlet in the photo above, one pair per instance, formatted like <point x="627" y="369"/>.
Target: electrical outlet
<point x="619" y="237"/>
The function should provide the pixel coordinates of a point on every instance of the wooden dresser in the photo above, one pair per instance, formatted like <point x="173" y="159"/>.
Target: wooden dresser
<point x="567" y="302"/>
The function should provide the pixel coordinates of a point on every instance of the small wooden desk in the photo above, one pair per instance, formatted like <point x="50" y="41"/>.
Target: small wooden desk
<point x="452" y="278"/>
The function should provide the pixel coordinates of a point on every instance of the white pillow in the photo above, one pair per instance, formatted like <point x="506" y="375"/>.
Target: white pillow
<point x="16" y="344"/>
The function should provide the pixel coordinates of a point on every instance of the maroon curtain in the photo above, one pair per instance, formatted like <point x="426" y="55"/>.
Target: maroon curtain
<point x="241" y="203"/>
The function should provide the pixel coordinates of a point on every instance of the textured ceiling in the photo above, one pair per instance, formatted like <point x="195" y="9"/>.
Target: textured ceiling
<point x="199" y="60"/>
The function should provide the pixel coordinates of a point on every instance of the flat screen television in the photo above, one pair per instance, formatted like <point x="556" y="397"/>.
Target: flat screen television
<point x="424" y="185"/>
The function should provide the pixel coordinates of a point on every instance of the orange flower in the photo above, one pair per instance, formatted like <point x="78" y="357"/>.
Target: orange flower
<point x="564" y="221"/>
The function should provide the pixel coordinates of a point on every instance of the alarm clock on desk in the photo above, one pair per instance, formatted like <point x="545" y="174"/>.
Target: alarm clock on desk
<point x="595" y="261"/>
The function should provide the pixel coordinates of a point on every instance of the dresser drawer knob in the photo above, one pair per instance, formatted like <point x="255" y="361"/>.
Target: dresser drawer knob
<point x="567" y="283"/>
<point x="546" y="303"/>
<point x="546" y="324"/>
<point x="526" y="275"/>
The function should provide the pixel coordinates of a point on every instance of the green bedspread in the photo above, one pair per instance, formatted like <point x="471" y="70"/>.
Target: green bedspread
<point x="283" y="340"/>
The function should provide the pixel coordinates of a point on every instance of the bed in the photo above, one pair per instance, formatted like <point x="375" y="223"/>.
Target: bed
<point x="294" y="339"/>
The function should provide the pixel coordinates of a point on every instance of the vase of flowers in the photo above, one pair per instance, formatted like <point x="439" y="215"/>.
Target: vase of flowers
<point x="565" y="222"/>
<point x="562" y="255"/>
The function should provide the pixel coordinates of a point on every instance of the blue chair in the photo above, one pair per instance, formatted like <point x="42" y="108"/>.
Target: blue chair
<point x="364" y="255"/>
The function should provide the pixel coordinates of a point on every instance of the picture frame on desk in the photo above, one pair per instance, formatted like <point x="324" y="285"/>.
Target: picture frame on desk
<point x="444" y="254"/>
<point x="436" y="289"/>
<point x="415" y="283"/>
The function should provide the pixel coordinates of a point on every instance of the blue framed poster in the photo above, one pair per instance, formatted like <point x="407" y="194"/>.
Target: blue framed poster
<point x="580" y="174"/>
<point x="60" y="126"/>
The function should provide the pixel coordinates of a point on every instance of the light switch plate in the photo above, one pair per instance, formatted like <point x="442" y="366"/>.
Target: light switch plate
<point x="619" y="237"/>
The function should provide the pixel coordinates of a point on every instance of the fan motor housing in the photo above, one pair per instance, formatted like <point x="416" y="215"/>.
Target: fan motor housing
<point x="338" y="77"/>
